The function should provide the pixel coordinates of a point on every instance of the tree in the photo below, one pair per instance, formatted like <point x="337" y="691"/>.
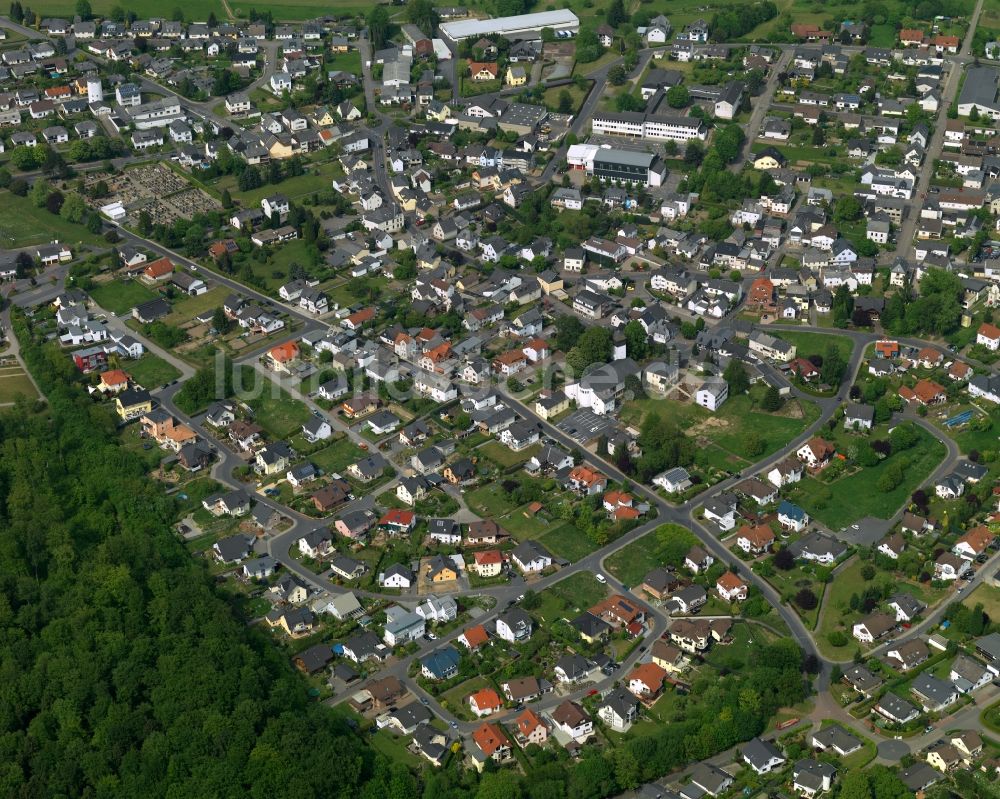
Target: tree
<point x="616" y="13"/>
<point x="588" y="46"/>
<point x="617" y="75"/>
<point x="806" y="599"/>
<point x="636" y="342"/>
<point x="568" y="330"/>
<point x="594" y="346"/>
<point x="378" y="26"/>
<point x="220" y="322"/>
<point x="54" y="202"/>
<point x="250" y="177"/>
<point x="772" y="400"/>
<point x="39" y="193"/>
<point x="73" y="208"/>
<point x="422" y="14"/>
<point x="83" y="9"/>
<point x="565" y="105"/>
<point x="847" y="209"/>
<point x="227" y="199"/>
<point x="753" y="444"/>
<point x="694" y="153"/>
<point x="628" y="102"/>
<point x="736" y="376"/>
<point x="784" y="559"/>
<point x="678" y="96"/>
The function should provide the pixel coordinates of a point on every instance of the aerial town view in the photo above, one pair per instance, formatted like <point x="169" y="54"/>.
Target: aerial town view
<point x="502" y="401"/>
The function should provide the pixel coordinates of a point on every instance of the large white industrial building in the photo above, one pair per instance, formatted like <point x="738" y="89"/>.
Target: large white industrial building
<point x="561" y="20"/>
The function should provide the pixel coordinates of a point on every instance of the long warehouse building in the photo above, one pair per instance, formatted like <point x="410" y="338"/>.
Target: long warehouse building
<point x="560" y="20"/>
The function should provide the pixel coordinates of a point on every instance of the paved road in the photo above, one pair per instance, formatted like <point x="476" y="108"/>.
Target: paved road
<point x="760" y="107"/>
<point x="907" y="229"/>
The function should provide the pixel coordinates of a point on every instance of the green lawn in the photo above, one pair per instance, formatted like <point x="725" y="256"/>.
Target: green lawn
<point x="488" y="501"/>
<point x="15" y="383"/>
<point x="848" y="499"/>
<point x="318" y="177"/>
<point x="728" y="426"/>
<point x="504" y="457"/>
<point x="151" y="371"/>
<point x="187" y="308"/>
<point x="120" y="296"/>
<point x="194" y="10"/>
<point x="23" y="225"/>
<point x="789" y="583"/>
<point x="837" y="614"/>
<point x="666" y="545"/>
<point x="346" y="62"/>
<point x="567" y="542"/>
<point x="570" y="597"/>
<point x="807" y="343"/>
<point x="336" y="457"/>
<point x="280" y="414"/>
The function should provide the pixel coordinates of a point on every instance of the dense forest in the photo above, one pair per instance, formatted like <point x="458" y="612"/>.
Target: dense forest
<point x="124" y="674"/>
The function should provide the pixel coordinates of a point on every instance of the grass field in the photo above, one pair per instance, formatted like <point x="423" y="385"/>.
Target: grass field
<point x="280" y="414"/>
<point x="989" y="597"/>
<point x="570" y="597"/>
<point x="504" y="457"/>
<point x="807" y="344"/>
<point x="151" y="371"/>
<point x="565" y="541"/>
<point x="198" y="10"/>
<point x="22" y="225"/>
<point x="120" y="296"/>
<point x="631" y="564"/>
<point x="727" y="427"/>
<point x="187" y="308"/>
<point x="317" y="178"/>
<point x="488" y="501"/>
<point x="337" y="456"/>
<point x="14" y="383"/>
<point x="848" y="499"/>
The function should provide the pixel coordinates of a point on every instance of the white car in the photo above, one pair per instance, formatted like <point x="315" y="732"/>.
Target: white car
<point x="601" y="578"/>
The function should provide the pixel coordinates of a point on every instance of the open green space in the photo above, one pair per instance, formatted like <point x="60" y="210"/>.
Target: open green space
<point x="187" y="308"/>
<point x="15" y="383"/>
<point x="488" y="501"/>
<point x="836" y="613"/>
<point x="504" y="457"/>
<point x="666" y="545"/>
<point x="337" y="456"/>
<point x="807" y="343"/>
<point x="151" y="371"/>
<point x="279" y="413"/>
<point x="855" y="496"/>
<point x="318" y="177"/>
<point x="194" y="10"/>
<point x="988" y="597"/>
<point x="120" y="296"/>
<point x="570" y="597"/>
<point x="789" y="583"/>
<point x="727" y="427"/>
<point x="24" y="225"/>
<point x="565" y="541"/>
<point x="969" y="439"/>
<point x="346" y="62"/>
